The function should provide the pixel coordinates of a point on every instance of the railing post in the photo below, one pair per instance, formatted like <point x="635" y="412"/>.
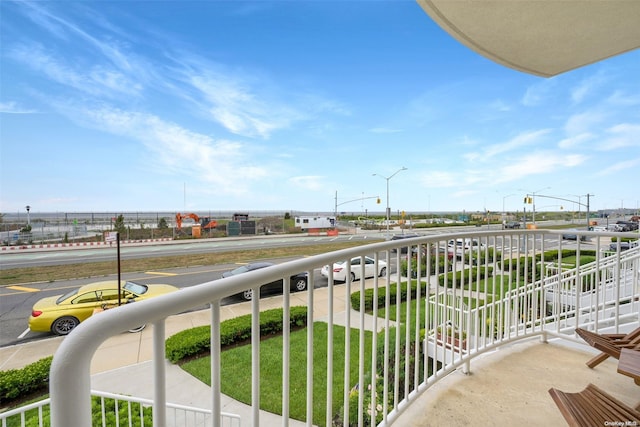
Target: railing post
<point x="159" y="376"/>
<point x="216" y="406"/>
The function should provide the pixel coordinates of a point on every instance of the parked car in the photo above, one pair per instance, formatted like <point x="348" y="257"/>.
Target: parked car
<point x="573" y="235"/>
<point x="627" y="225"/>
<point x="403" y="249"/>
<point x="340" y="269"/>
<point x="512" y="224"/>
<point x="623" y="245"/>
<point x="60" y="314"/>
<point x="462" y="246"/>
<point x="298" y="282"/>
<point x="440" y="251"/>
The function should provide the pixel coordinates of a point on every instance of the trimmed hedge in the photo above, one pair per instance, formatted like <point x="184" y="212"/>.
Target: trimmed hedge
<point x="394" y="295"/>
<point x="462" y="277"/>
<point x="524" y="262"/>
<point x="18" y="383"/>
<point x="196" y="341"/>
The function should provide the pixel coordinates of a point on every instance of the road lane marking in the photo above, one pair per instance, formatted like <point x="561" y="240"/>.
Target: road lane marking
<point x="22" y="288"/>
<point x="22" y="335"/>
<point x="157" y="273"/>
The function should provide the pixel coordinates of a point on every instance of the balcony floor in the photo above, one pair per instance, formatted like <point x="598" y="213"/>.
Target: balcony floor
<point x="510" y="387"/>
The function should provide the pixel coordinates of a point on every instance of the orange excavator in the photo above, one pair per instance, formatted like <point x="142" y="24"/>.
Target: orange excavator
<point x="180" y="217"/>
<point x="205" y="222"/>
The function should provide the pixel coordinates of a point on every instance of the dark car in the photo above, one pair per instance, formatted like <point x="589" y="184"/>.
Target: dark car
<point x="623" y="245"/>
<point x="297" y="282"/>
<point x="627" y="225"/>
<point x="403" y="250"/>
<point x="573" y="235"/>
<point x="512" y="224"/>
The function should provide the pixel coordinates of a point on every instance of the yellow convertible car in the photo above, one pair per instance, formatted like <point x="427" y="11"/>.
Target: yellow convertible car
<point x="60" y="314"/>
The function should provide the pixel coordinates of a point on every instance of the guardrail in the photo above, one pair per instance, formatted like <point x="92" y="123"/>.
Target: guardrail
<point x="455" y="307"/>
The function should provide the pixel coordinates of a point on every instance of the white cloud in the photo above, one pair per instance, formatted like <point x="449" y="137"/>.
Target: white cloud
<point x="439" y="179"/>
<point x="582" y="123"/>
<point x="538" y="93"/>
<point x="384" y="130"/>
<point x="500" y="105"/>
<point x="310" y="182"/>
<point x="97" y="80"/>
<point x="524" y="139"/>
<point x="226" y="165"/>
<point x="622" y="135"/>
<point x="538" y="163"/>
<point x="576" y="140"/>
<point x="13" y="108"/>
<point x="620" y="166"/>
<point x="238" y="106"/>
<point x="623" y="99"/>
<point x="587" y="87"/>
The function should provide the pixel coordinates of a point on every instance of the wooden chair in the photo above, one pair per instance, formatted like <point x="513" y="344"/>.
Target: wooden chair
<point x="609" y="344"/>
<point x="629" y="365"/>
<point x="593" y="407"/>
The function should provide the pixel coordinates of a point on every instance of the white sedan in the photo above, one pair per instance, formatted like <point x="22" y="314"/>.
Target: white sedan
<point x="340" y="269"/>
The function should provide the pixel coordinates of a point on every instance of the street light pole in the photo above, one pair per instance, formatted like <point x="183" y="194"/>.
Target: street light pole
<point x="387" y="178"/>
<point x="504" y="214"/>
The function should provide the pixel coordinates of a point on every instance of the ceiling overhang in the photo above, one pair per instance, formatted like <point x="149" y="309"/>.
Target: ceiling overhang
<point x="541" y="37"/>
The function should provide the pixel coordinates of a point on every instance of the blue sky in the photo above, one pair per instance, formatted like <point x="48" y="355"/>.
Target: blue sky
<point x="210" y="105"/>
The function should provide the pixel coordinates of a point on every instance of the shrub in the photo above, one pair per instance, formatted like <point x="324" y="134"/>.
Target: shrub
<point x="465" y="276"/>
<point x="440" y="268"/>
<point x="196" y="341"/>
<point x="394" y="295"/>
<point x="525" y="262"/>
<point x="18" y="383"/>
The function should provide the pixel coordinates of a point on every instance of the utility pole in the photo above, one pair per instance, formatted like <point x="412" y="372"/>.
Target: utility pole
<point x="588" y="213"/>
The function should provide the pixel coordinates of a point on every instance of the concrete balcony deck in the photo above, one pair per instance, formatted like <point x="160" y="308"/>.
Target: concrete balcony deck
<point x="510" y="387"/>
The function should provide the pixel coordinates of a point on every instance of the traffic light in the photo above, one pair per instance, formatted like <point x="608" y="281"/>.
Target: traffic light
<point x="528" y="200"/>
<point x="378" y="200"/>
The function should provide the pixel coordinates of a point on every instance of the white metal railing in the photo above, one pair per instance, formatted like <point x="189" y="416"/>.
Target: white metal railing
<point x="488" y="295"/>
<point x="177" y="415"/>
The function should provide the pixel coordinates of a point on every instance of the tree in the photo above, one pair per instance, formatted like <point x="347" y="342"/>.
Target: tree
<point x="162" y="224"/>
<point x="119" y="225"/>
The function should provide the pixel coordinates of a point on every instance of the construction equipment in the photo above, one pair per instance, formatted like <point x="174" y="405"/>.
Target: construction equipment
<point x="180" y="217"/>
<point x="201" y="223"/>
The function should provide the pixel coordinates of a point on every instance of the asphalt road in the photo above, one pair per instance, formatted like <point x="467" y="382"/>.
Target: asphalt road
<point x="16" y="301"/>
<point x="57" y="256"/>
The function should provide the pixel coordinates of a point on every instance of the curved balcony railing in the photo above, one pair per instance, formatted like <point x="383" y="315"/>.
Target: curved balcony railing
<point x="462" y="294"/>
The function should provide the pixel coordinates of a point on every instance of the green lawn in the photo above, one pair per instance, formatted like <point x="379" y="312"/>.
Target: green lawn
<point x="236" y="371"/>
